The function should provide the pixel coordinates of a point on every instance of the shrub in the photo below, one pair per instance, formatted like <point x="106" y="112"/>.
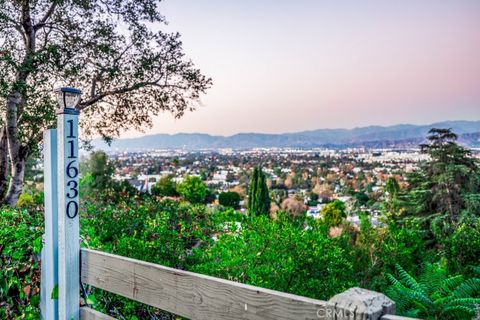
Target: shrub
<point x="282" y="255"/>
<point x="462" y="248"/>
<point x="25" y="200"/>
<point x="436" y="295"/>
<point x="20" y="246"/>
<point x="378" y="250"/>
<point x="229" y="199"/>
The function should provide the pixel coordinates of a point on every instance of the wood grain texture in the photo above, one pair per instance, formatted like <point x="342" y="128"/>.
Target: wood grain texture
<point x="90" y="314"/>
<point x="192" y="295"/>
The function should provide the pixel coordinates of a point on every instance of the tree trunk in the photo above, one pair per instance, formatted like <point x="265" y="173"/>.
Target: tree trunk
<point x="15" y="104"/>
<point x="16" y="152"/>
<point x="16" y="182"/>
<point x="3" y="162"/>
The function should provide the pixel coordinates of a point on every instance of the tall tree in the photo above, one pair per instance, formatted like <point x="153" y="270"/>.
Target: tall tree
<point x="128" y="72"/>
<point x="392" y="187"/>
<point x="445" y="182"/>
<point x="98" y="170"/>
<point x="444" y="195"/>
<point x="258" y="194"/>
<point x="252" y="191"/>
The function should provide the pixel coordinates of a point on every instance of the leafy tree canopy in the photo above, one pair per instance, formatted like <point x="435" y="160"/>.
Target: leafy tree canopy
<point x="192" y="189"/>
<point x="448" y="180"/>
<point x="127" y="72"/>
<point x="165" y="187"/>
<point x="333" y="213"/>
<point x="229" y="199"/>
<point x="98" y="170"/>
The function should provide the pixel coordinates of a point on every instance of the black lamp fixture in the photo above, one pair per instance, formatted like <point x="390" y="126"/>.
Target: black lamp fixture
<point x="68" y="98"/>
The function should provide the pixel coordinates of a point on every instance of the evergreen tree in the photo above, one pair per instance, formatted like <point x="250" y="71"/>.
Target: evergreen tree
<point x="444" y="194"/>
<point x="252" y="192"/>
<point x="392" y="188"/>
<point x="447" y="182"/>
<point x="258" y="194"/>
<point x="263" y="195"/>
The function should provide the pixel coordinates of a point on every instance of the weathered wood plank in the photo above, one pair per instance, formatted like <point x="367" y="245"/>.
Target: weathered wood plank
<point x="192" y="295"/>
<point x="90" y="314"/>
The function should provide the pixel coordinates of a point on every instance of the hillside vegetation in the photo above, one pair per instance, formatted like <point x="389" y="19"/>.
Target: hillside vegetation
<point x="424" y="255"/>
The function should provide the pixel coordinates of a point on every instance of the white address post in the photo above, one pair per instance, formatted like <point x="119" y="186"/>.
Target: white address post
<point x="68" y="205"/>
<point x="49" y="279"/>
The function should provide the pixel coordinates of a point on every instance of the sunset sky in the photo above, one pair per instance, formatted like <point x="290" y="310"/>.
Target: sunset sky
<point x="280" y="66"/>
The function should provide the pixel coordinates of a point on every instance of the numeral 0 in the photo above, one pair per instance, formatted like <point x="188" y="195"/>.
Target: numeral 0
<point x="72" y="206"/>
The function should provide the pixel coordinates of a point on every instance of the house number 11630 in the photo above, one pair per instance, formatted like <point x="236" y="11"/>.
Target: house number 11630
<point x="71" y="172"/>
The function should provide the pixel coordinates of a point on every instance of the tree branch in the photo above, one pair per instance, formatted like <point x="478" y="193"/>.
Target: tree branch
<point x="100" y="96"/>
<point x="47" y="15"/>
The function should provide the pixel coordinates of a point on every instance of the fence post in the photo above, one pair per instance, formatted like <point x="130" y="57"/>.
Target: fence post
<point x="49" y="277"/>
<point x="68" y="215"/>
<point x="362" y="304"/>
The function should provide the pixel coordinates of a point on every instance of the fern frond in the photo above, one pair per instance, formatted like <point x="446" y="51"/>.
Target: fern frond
<point x="459" y="312"/>
<point x="432" y="277"/>
<point x="450" y="284"/>
<point x="469" y="288"/>
<point x="467" y="302"/>
<point x="435" y="295"/>
<point x="409" y="281"/>
<point x="410" y="297"/>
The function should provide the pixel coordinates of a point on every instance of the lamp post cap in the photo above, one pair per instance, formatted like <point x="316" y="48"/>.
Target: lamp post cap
<point x="69" y="90"/>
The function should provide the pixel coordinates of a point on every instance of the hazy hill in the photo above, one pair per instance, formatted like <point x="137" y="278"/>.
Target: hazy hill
<point x="402" y="135"/>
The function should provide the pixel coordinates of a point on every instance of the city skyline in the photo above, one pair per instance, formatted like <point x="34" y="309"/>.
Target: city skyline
<point x="284" y="67"/>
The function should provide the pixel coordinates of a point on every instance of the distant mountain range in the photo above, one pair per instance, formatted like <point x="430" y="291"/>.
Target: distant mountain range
<point x="398" y="136"/>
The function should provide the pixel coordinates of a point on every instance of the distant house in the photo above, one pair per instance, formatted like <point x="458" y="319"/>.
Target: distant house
<point x="140" y="185"/>
<point x="314" y="211"/>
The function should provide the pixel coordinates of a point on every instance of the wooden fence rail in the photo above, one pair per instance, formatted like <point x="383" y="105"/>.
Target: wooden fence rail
<point x="197" y="296"/>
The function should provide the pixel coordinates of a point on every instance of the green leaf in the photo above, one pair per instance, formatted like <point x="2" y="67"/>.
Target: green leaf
<point x="54" y="295"/>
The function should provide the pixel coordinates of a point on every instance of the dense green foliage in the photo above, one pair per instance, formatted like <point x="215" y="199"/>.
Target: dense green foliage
<point x="165" y="187"/>
<point x="258" y="194"/>
<point x="334" y="213"/>
<point x="288" y="252"/>
<point x="97" y="172"/>
<point x="229" y="199"/>
<point x="435" y="295"/>
<point x="281" y="255"/>
<point x="192" y="189"/>
<point x="20" y="243"/>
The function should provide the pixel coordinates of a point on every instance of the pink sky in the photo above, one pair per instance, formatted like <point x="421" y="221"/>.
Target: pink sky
<point x="281" y="66"/>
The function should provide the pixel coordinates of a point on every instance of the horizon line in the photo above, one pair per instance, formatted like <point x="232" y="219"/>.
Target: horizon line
<point x="146" y="134"/>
